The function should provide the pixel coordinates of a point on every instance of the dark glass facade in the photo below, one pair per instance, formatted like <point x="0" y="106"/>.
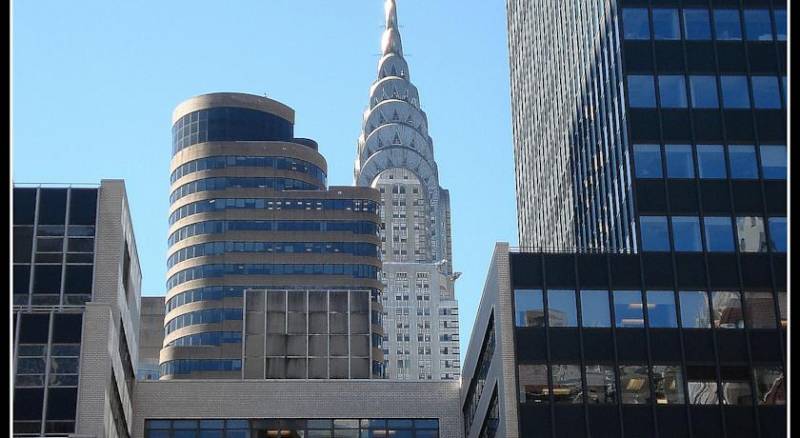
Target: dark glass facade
<point x="373" y="427"/>
<point x="663" y="344"/>
<point x="229" y="124"/>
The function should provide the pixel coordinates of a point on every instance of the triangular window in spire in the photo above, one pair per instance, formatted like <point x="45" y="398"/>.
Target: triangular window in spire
<point x="380" y="142"/>
<point x="394" y="71"/>
<point x="394" y="92"/>
<point x="410" y="120"/>
<point x="396" y="140"/>
<point x="381" y="119"/>
<point x="395" y="116"/>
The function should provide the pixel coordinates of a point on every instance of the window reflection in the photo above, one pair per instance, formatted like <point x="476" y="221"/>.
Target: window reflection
<point x="727" y="24"/>
<point x="679" y="161"/>
<point x="735" y="92"/>
<point x="702" y="384"/>
<point x="694" y="309"/>
<point x="770" y="385"/>
<point x="736" y="386"/>
<point x="635" y="384"/>
<point x="636" y="24"/>
<point x="533" y="383"/>
<point x="719" y="234"/>
<point x="704" y="91"/>
<point x="750" y="234"/>
<point x="567" y="384"/>
<point x="757" y="25"/>
<point x="641" y="91"/>
<point x="668" y="383"/>
<point x="782" y="309"/>
<point x="765" y="92"/>
<point x="648" y="160"/>
<point x="661" y="309"/>
<point x="655" y="235"/>
<point x="686" y="233"/>
<point x="777" y="234"/>
<point x="773" y="161"/>
<point x="711" y="161"/>
<point x="529" y="308"/>
<point x="697" y="24"/>
<point x="665" y="24"/>
<point x="561" y="308"/>
<point x="759" y="308"/>
<point x="727" y="310"/>
<point x="672" y="91"/>
<point x="743" y="161"/>
<point x="594" y="308"/>
<point x="628" y="308"/>
<point x="600" y="384"/>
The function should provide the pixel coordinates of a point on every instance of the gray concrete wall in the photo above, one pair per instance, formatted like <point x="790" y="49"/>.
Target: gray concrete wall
<point x="151" y="334"/>
<point x="175" y="399"/>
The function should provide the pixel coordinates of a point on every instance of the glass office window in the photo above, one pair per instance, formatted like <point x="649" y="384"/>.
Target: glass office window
<point x="529" y="308"/>
<point x="641" y="91"/>
<point x="668" y="383"/>
<point x="735" y="92"/>
<point x="600" y="384"/>
<point x="777" y="234"/>
<point x="672" y="91"/>
<point x="679" y="161"/>
<point x="727" y="308"/>
<point x="704" y="91"/>
<point x="703" y="392"/>
<point x="782" y="309"/>
<point x="757" y="25"/>
<point x="736" y="391"/>
<point x="655" y="235"/>
<point x="594" y="308"/>
<point x="686" y="233"/>
<point x="648" y="160"/>
<point x="765" y="92"/>
<point x="711" y="161"/>
<point x="567" y="387"/>
<point x="743" y="161"/>
<point x="636" y="24"/>
<point x="628" y="308"/>
<point x="533" y="386"/>
<point x="665" y="24"/>
<point x="773" y="162"/>
<point x="562" y="310"/>
<point x="780" y="24"/>
<point x="719" y="234"/>
<point x="727" y="24"/>
<point x="634" y="384"/>
<point x="770" y="385"/>
<point x="759" y="310"/>
<point x="661" y="309"/>
<point x="694" y="309"/>
<point x="750" y="234"/>
<point x="696" y="24"/>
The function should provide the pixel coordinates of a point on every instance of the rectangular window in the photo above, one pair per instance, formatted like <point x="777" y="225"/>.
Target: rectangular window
<point x="665" y="24"/>
<point x="686" y="233"/>
<point x="735" y="92"/>
<point x="694" y="309"/>
<point x="567" y="387"/>
<point x="782" y="309"/>
<point x="636" y="24"/>
<point x="757" y="25"/>
<point x="727" y="307"/>
<point x="773" y="161"/>
<point x="594" y="308"/>
<point x="728" y="25"/>
<point x="702" y="383"/>
<point x="736" y="386"/>
<point x="743" y="161"/>
<point x="529" y="308"/>
<point x="600" y="384"/>
<point x="533" y="386"/>
<point x="655" y="235"/>
<point x="780" y="24"/>
<point x="759" y="310"/>
<point x="635" y="385"/>
<point x="672" y="91"/>
<point x="711" y="161"/>
<point x="661" y="309"/>
<point x="641" y="91"/>
<point x="562" y="310"/>
<point x="750" y="234"/>
<point x="704" y="91"/>
<point x="765" y="92"/>
<point x="770" y="385"/>
<point x="718" y="233"/>
<point x="628" y="308"/>
<point x="777" y="234"/>
<point x="647" y="159"/>
<point x="679" y="161"/>
<point x="668" y="383"/>
<point x="696" y="23"/>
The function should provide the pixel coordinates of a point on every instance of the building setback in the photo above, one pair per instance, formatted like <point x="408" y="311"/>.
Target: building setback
<point x="395" y="155"/>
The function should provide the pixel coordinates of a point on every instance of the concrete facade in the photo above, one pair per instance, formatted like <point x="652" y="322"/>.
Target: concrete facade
<point x="151" y="337"/>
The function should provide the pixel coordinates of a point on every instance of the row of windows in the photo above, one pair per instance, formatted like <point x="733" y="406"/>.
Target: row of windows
<point x="205" y="316"/>
<point x="697" y="309"/>
<point x="226" y="182"/>
<point x="659" y="384"/>
<point x="478" y="380"/>
<point x="186" y="366"/>
<point x="228" y="124"/>
<point x="225" y="161"/>
<point x="53" y="206"/>
<point x="735" y="89"/>
<point x="221" y="204"/>
<point x="47" y="279"/>
<point x="217" y="227"/>
<point x="219" y="270"/>
<point x="717" y="234"/>
<point x="207" y="338"/>
<point x="713" y="161"/>
<point x="396" y="427"/>
<point x="209" y="293"/>
<point x="220" y="248"/>
<point x="666" y="24"/>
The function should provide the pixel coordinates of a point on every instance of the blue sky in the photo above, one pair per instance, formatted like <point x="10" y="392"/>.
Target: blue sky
<point x="95" y="83"/>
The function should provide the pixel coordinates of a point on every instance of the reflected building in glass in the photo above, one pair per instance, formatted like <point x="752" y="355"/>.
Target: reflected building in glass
<point x="395" y="156"/>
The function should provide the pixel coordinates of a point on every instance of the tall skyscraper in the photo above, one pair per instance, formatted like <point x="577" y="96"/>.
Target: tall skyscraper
<point x="673" y="110"/>
<point x="253" y="223"/>
<point x="395" y="155"/>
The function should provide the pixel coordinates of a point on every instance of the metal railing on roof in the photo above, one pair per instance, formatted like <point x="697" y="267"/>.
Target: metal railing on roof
<point x="567" y="250"/>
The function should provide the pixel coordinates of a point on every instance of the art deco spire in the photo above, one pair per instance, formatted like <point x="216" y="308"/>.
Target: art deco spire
<point x="390" y="42"/>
